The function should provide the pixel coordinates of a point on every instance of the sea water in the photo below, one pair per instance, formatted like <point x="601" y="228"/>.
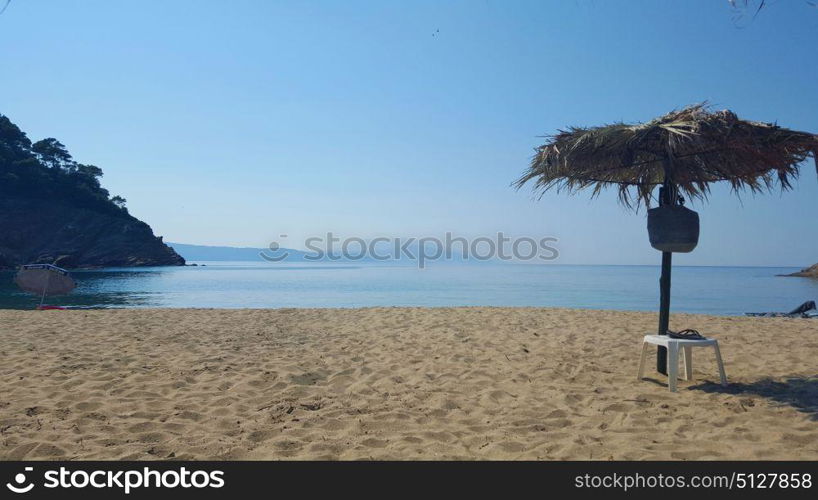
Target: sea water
<point x="709" y="290"/>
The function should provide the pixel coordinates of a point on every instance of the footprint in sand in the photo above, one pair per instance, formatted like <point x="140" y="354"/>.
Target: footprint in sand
<point x="152" y="437"/>
<point x="374" y="443"/>
<point x="48" y="450"/>
<point x="617" y="407"/>
<point x="21" y="451"/>
<point x="309" y="378"/>
<point x="190" y="415"/>
<point x="557" y="414"/>
<point x="142" y="427"/>
<point x="511" y="446"/>
<point x="88" y="406"/>
<point x="333" y="424"/>
<point x="501" y="397"/>
<point x="260" y="436"/>
<point x="443" y="437"/>
<point x="288" y="445"/>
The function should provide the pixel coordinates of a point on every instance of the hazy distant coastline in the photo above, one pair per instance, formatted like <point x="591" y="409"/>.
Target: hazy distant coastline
<point x="222" y="253"/>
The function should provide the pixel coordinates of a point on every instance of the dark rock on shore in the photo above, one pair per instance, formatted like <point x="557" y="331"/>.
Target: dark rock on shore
<point x="39" y="231"/>
<point x="809" y="272"/>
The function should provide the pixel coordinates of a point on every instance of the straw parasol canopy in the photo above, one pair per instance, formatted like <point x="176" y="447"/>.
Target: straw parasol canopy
<point x="683" y="152"/>
<point x="692" y="148"/>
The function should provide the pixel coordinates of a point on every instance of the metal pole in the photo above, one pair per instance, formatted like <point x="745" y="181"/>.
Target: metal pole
<point x="664" y="310"/>
<point x="668" y="195"/>
<point x="45" y="287"/>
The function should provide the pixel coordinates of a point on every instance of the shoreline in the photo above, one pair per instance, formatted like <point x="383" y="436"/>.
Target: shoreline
<point x="396" y="383"/>
<point x="70" y="308"/>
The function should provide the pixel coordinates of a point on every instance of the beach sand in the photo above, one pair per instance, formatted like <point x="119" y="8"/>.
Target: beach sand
<point x="396" y="383"/>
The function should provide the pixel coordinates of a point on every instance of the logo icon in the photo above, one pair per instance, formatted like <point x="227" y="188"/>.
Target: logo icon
<point x="20" y="478"/>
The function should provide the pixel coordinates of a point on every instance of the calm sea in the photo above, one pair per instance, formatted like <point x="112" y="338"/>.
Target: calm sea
<point x="711" y="290"/>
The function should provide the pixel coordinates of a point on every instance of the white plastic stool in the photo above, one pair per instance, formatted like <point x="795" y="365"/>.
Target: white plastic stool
<point x="673" y="350"/>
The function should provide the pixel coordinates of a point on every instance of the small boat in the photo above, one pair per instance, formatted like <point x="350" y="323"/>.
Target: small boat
<point x="44" y="280"/>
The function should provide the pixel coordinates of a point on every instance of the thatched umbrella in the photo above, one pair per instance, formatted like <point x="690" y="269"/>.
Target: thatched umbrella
<point x="682" y="152"/>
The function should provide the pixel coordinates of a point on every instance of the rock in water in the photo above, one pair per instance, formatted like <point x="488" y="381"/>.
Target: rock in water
<point x="810" y="272"/>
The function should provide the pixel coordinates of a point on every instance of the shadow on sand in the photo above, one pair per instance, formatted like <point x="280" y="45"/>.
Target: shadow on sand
<point x="799" y="392"/>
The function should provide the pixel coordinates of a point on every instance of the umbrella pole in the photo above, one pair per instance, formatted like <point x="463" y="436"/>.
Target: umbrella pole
<point x="664" y="310"/>
<point x="668" y="195"/>
<point x="45" y="287"/>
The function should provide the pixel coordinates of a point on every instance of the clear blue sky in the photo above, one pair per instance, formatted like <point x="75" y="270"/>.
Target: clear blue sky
<point x="233" y="122"/>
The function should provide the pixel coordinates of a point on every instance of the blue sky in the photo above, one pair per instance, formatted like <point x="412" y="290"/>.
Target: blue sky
<point x="231" y="123"/>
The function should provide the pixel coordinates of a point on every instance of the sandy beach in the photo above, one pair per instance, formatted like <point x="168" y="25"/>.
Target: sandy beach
<point x="396" y="383"/>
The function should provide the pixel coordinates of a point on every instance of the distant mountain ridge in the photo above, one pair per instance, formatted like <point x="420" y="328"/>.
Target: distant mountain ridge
<point x="223" y="253"/>
<point x="245" y="254"/>
<point x="385" y="254"/>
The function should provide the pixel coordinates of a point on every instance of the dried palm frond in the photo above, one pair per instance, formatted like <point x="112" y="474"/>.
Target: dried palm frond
<point x="694" y="147"/>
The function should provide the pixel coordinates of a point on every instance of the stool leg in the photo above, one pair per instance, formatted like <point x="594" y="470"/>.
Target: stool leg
<point x="642" y="361"/>
<point x="722" y="375"/>
<point x="687" y="359"/>
<point x="672" y="365"/>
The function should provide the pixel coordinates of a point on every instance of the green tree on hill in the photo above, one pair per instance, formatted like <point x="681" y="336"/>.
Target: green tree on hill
<point x="46" y="170"/>
<point x="119" y="201"/>
<point x="52" y="152"/>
